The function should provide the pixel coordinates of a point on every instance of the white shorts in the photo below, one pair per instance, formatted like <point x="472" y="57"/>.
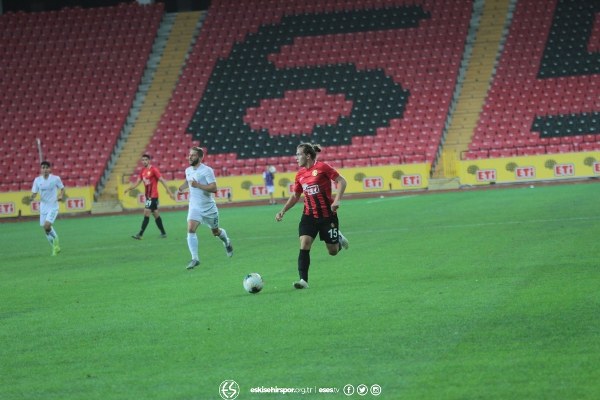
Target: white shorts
<point x="270" y="189"/>
<point x="49" y="216"/>
<point x="211" y="218"/>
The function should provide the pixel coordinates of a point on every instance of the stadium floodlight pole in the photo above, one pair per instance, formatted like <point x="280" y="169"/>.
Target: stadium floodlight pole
<point x="39" y="147"/>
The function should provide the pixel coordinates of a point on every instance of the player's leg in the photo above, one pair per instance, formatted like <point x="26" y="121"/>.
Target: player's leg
<point x="145" y="221"/>
<point x="212" y="221"/>
<point x="222" y="234"/>
<point x="344" y="243"/>
<point x="192" y="240"/>
<point x="329" y="232"/>
<point x="307" y="231"/>
<point x="271" y="190"/>
<point x="51" y="235"/>
<point x="45" y="226"/>
<point x="159" y="223"/>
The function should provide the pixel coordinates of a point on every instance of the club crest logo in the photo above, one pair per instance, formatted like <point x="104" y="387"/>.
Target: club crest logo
<point x="229" y="389"/>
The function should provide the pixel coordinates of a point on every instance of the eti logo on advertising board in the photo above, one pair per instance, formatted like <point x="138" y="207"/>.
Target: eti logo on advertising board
<point x="182" y="197"/>
<point x="596" y="168"/>
<point x="35" y="206"/>
<point x="75" y="203"/>
<point x="141" y="199"/>
<point x="486" y="175"/>
<point x="524" y="172"/>
<point x="223" y="193"/>
<point x="411" y="180"/>
<point x="258" y="191"/>
<point x="373" y="182"/>
<point x="7" y="208"/>
<point x="564" y="169"/>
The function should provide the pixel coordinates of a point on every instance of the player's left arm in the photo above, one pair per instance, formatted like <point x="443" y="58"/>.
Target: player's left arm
<point x="341" y="188"/>
<point x="209" y="187"/>
<point x="211" y="182"/>
<point x="61" y="194"/>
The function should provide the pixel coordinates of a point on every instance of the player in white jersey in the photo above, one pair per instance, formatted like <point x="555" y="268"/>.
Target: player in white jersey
<point x="51" y="190"/>
<point x="202" y="184"/>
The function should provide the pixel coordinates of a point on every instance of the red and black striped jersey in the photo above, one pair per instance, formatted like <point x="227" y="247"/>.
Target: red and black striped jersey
<point x="315" y="183"/>
<point x="150" y="177"/>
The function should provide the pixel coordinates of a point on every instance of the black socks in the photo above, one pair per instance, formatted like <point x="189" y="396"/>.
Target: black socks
<point x="160" y="225"/>
<point x="303" y="264"/>
<point x="144" y="225"/>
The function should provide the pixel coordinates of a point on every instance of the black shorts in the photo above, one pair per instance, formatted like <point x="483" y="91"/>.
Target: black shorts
<point x="327" y="228"/>
<point x="151" y="204"/>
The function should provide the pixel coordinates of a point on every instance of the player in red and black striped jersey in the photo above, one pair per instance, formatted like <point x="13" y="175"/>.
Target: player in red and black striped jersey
<point x="150" y="175"/>
<point x="320" y="209"/>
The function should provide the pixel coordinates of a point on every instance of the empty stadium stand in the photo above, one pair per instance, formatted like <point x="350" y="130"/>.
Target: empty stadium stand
<point x="545" y="96"/>
<point x="174" y="38"/>
<point x="370" y="80"/>
<point x="68" y="78"/>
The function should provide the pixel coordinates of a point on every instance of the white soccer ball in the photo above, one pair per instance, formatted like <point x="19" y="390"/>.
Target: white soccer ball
<point x="272" y="169"/>
<point x="253" y="283"/>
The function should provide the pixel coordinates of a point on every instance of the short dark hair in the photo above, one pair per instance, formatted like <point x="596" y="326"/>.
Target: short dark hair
<point x="147" y="156"/>
<point x="46" y="164"/>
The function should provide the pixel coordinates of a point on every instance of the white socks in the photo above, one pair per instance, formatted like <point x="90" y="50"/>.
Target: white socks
<point x="51" y="236"/>
<point x="192" y="241"/>
<point x="223" y="236"/>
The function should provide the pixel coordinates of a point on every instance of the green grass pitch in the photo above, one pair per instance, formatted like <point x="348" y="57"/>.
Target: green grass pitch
<point x="482" y="294"/>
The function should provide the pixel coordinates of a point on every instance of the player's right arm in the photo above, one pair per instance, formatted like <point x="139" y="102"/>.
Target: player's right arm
<point x="289" y="204"/>
<point x="184" y="186"/>
<point x="134" y="185"/>
<point x="34" y="191"/>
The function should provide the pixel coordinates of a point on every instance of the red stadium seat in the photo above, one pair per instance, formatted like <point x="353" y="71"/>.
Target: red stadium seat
<point x="424" y="60"/>
<point x="542" y="82"/>
<point x="53" y="93"/>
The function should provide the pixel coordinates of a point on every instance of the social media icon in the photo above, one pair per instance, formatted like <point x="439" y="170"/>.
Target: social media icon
<point x="375" y="390"/>
<point x="362" y="389"/>
<point x="348" y="390"/>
